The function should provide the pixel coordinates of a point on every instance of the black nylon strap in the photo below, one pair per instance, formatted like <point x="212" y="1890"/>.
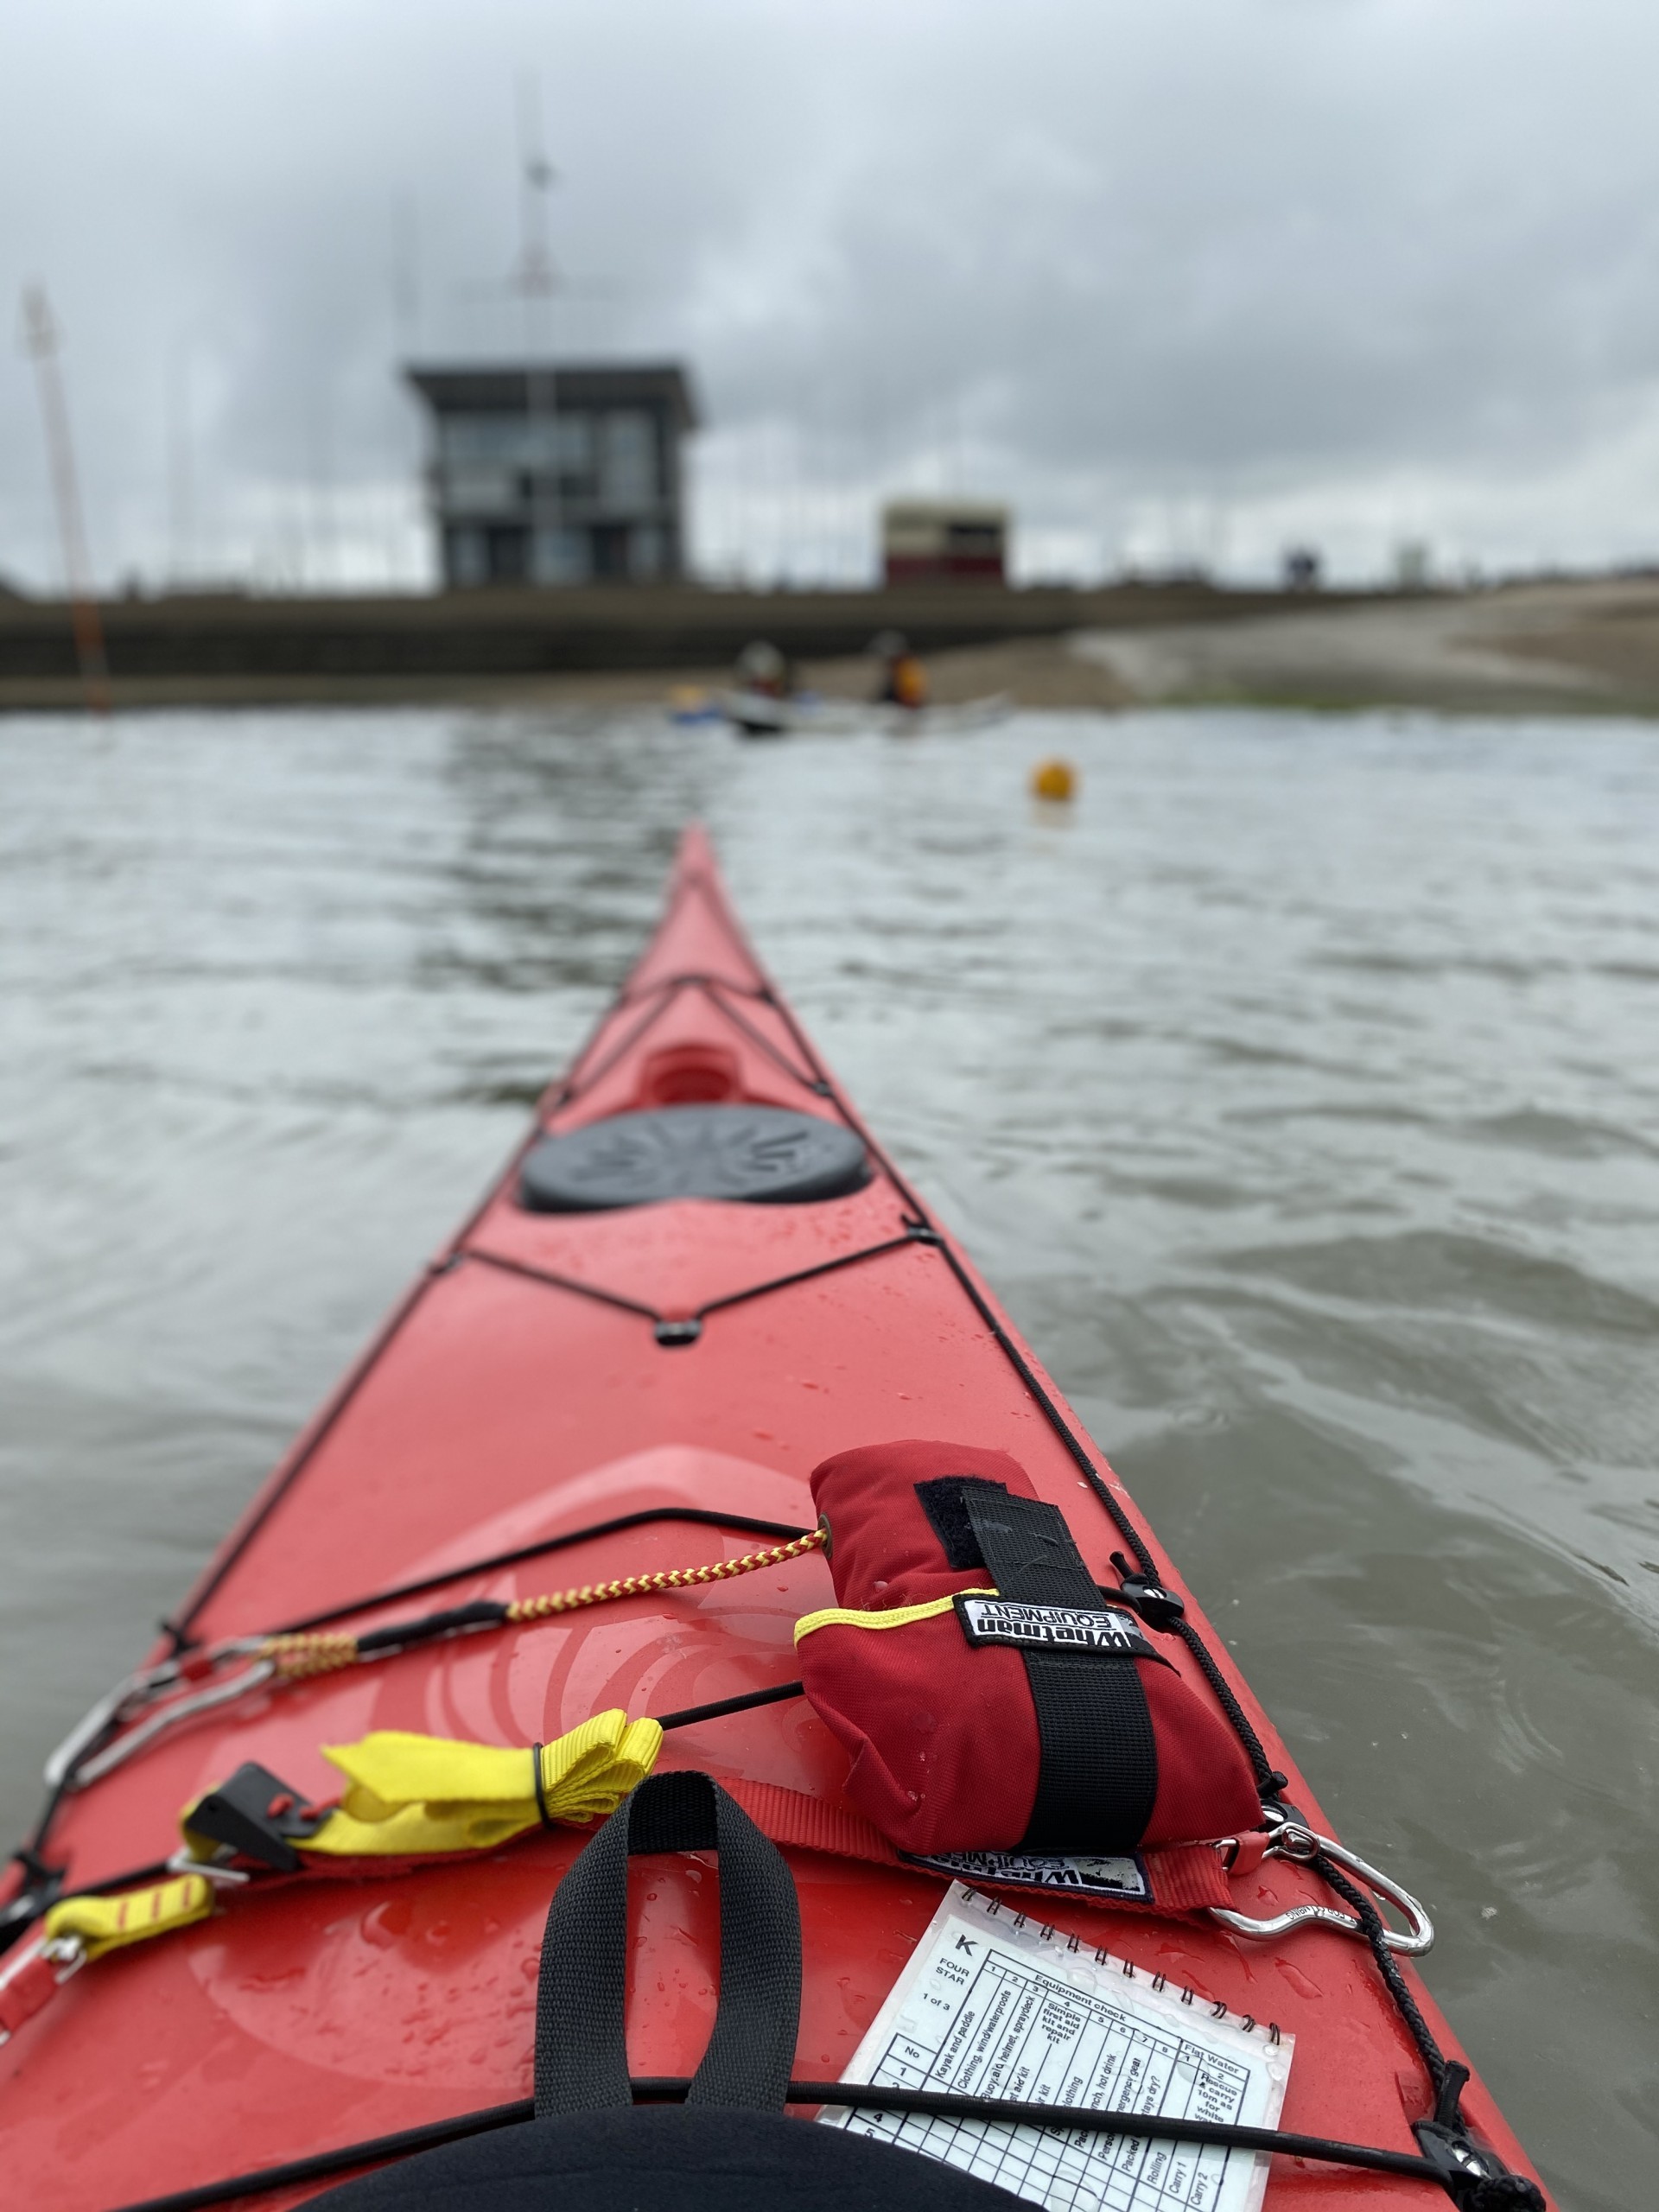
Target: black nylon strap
<point x="1097" y="1779"/>
<point x="1028" y="1549"/>
<point x="581" y="2055"/>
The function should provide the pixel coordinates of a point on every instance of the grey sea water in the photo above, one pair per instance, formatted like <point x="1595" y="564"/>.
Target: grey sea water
<point x="1298" y="1086"/>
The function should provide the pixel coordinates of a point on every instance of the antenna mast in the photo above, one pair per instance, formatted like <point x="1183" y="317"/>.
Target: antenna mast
<point x="536" y="280"/>
<point x="41" y="338"/>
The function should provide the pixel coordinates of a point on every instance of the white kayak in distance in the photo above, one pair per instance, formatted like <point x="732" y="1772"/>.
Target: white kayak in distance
<point x="760" y="715"/>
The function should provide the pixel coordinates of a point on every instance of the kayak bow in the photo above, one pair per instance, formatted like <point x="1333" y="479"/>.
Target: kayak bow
<point x="565" y="1493"/>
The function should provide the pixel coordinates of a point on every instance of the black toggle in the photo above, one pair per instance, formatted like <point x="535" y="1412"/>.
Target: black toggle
<point x="1475" y="2179"/>
<point x="670" y="1333"/>
<point x="1278" y="1808"/>
<point x="1472" y="2176"/>
<point x="1158" y="1607"/>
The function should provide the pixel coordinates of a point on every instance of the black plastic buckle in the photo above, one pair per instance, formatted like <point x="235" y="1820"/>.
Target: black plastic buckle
<point x="259" y="1816"/>
<point x="1158" y="1607"/>
<point x="1276" y="1808"/>
<point x="1463" y="2168"/>
<point x="42" y="1885"/>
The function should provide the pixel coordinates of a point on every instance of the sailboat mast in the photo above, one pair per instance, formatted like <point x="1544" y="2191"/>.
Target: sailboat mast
<point x="41" y="338"/>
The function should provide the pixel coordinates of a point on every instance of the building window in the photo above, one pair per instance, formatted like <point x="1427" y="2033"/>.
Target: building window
<point x="649" y="550"/>
<point x="627" y="463"/>
<point x="508" y="555"/>
<point x="488" y="438"/>
<point x="468" y="557"/>
<point x="476" y="491"/>
<point x="562" y="556"/>
<point x="611" y="548"/>
<point x="561" y="442"/>
<point x="542" y="440"/>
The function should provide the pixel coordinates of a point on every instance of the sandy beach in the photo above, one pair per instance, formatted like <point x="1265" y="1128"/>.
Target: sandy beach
<point x="1589" y="647"/>
<point x="1579" y="647"/>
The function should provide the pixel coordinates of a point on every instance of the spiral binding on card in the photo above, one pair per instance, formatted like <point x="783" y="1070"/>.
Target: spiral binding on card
<point x="1247" y="2022"/>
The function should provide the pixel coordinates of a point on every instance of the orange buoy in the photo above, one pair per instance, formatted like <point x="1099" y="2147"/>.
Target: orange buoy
<point x="1054" y="779"/>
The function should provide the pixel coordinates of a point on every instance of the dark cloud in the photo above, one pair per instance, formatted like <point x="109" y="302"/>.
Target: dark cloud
<point x="1184" y="276"/>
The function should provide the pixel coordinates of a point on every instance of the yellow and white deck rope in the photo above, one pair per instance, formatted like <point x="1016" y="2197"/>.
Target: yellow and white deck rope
<point x="324" y="1651"/>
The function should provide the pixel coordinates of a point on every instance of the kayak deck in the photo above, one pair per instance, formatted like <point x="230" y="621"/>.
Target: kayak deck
<point x="551" y="1372"/>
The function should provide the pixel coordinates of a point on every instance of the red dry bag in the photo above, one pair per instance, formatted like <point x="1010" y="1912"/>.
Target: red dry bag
<point x="990" y="1696"/>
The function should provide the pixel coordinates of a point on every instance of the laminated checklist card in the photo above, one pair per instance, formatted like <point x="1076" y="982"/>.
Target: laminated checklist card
<point x="994" y="2004"/>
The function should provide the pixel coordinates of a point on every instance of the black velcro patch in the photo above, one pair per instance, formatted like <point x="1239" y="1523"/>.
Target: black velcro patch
<point x="946" y="1510"/>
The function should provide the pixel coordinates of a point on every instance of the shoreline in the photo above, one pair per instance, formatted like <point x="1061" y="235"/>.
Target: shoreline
<point x="1590" y="648"/>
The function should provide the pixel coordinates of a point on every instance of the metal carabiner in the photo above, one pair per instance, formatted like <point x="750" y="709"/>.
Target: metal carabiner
<point x="109" y="1710"/>
<point x="1293" y="1841"/>
<point x="132" y="1696"/>
<point x="184" y="1708"/>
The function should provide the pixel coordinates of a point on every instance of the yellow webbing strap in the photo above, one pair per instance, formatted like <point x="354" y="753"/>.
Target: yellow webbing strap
<point x="103" y="1924"/>
<point x="408" y="1795"/>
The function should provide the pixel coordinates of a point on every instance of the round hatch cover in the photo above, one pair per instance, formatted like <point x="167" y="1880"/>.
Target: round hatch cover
<point x="762" y="1154"/>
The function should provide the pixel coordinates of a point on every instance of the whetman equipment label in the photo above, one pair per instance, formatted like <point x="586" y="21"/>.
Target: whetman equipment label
<point x="1053" y="1627"/>
<point x="1122" y="1879"/>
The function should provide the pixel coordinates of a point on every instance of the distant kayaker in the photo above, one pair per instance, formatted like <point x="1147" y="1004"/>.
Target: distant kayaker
<point x="904" y="680"/>
<point x="759" y="703"/>
<point x="762" y="669"/>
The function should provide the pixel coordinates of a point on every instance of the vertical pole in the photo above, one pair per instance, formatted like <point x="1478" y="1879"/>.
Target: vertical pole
<point x="181" y="499"/>
<point x="41" y="337"/>
<point x="536" y="282"/>
<point x="322" y="480"/>
<point x="406" y="314"/>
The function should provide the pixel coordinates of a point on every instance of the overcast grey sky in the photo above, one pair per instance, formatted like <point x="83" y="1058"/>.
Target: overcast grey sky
<point x="1180" y="278"/>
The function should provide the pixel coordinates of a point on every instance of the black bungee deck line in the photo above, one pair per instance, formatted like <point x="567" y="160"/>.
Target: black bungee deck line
<point x="858" y="2096"/>
<point x="672" y="1328"/>
<point x="702" y="1516"/>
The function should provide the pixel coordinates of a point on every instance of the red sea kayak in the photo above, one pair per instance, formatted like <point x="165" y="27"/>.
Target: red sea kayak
<point x="697" y="1281"/>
